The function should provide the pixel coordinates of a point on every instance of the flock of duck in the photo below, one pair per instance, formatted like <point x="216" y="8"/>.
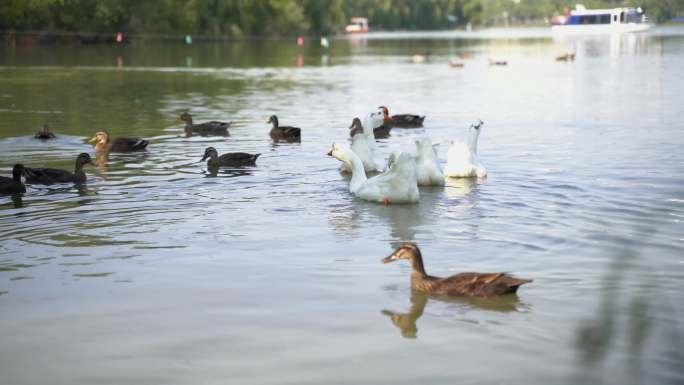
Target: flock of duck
<point x="398" y="183"/>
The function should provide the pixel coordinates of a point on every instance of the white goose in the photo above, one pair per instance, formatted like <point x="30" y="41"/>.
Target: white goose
<point x="396" y="185"/>
<point x="363" y="143"/>
<point x="462" y="159"/>
<point x="428" y="172"/>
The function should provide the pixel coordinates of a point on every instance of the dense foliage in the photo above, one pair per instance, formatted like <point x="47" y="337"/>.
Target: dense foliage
<point x="287" y="17"/>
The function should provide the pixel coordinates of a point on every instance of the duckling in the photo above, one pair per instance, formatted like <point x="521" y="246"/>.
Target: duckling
<point x="206" y="128"/>
<point x="103" y="143"/>
<point x="44" y="133"/>
<point x="382" y="131"/>
<point x="54" y="175"/>
<point x="14" y="184"/>
<point x="233" y="159"/>
<point x="459" y="285"/>
<point x="401" y="120"/>
<point x="283" y="132"/>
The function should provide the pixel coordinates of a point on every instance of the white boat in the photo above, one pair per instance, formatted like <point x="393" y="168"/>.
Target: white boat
<point x="358" y="25"/>
<point x="600" y="21"/>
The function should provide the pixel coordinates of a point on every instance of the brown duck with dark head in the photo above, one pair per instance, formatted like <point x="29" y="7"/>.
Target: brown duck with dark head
<point x="44" y="133"/>
<point x="379" y="132"/>
<point x="206" y="128"/>
<point x="14" y="184"/>
<point x="461" y="285"/>
<point x="279" y="132"/>
<point x="104" y="143"/>
<point x="55" y="175"/>
<point x="402" y="120"/>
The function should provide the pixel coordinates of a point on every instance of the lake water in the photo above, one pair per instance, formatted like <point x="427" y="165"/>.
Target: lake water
<point x="154" y="272"/>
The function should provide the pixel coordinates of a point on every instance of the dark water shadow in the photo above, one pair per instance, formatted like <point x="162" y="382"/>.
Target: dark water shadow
<point x="633" y="320"/>
<point x="406" y="322"/>
<point x="213" y="172"/>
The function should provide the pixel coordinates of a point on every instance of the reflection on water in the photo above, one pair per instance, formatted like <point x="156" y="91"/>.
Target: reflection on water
<point x="623" y="323"/>
<point x="580" y="154"/>
<point x="406" y="322"/>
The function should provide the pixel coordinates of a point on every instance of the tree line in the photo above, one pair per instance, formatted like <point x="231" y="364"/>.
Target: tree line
<point x="235" y="18"/>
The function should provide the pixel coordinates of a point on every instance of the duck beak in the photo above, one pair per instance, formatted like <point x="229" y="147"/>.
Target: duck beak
<point x="389" y="259"/>
<point x="204" y="158"/>
<point x="93" y="139"/>
<point x="330" y="153"/>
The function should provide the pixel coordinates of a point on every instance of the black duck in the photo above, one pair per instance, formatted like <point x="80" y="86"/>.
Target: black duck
<point x="206" y="128"/>
<point x="13" y="185"/>
<point x="232" y="159"/>
<point x="461" y="285"/>
<point x="279" y="132"/>
<point x="104" y="143"/>
<point x="44" y="133"/>
<point x="55" y="175"/>
<point x="402" y="120"/>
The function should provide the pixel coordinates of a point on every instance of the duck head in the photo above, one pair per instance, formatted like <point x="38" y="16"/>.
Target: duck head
<point x="273" y="120"/>
<point x="385" y="113"/>
<point x="473" y="135"/>
<point x="101" y="137"/>
<point x="186" y="117"/>
<point x="356" y="127"/>
<point x="17" y="170"/>
<point x="210" y="152"/>
<point x="408" y="250"/>
<point x="371" y="121"/>
<point x="83" y="159"/>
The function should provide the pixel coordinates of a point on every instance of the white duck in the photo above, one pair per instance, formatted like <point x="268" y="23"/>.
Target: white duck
<point x="396" y="185"/>
<point x="462" y="159"/>
<point x="428" y="172"/>
<point x="363" y="143"/>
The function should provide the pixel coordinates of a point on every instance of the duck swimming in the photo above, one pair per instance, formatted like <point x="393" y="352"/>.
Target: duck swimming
<point x="382" y="131"/>
<point x="402" y="120"/>
<point x="54" y="175"/>
<point x="363" y="143"/>
<point x="206" y="128"/>
<point x="232" y="159"/>
<point x="462" y="159"/>
<point x="279" y="132"/>
<point x="44" y="133"/>
<point x="428" y="172"/>
<point x="14" y="184"/>
<point x="396" y="185"/>
<point x="459" y="285"/>
<point x="104" y="143"/>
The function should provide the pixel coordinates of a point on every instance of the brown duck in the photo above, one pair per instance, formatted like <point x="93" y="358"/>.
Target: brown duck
<point x="379" y="132"/>
<point x="104" y="143"/>
<point x="279" y="132"/>
<point x="402" y="120"/>
<point x="461" y="285"/>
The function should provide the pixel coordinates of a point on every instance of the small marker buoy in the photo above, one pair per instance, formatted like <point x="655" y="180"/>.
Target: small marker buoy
<point x="300" y="41"/>
<point x="119" y="37"/>
<point x="188" y="39"/>
<point x="325" y="43"/>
